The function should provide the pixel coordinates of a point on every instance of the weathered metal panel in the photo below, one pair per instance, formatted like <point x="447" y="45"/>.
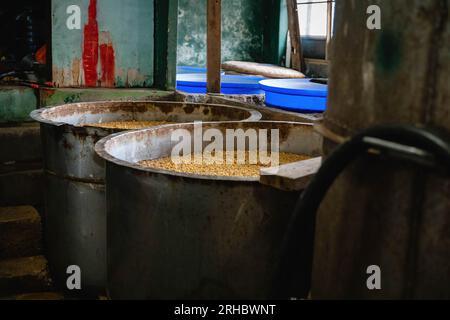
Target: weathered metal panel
<point x="16" y="103"/>
<point x="75" y="230"/>
<point x="113" y="48"/>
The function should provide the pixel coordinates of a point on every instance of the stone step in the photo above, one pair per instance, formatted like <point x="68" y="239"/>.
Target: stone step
<point x="20" y="144"/>
<point x="20" y="232"/>
<point x="18" y="167"/>
<point x="37" y="296"/>
<point x="24" y="275"/>
<point x="22" y="188"/>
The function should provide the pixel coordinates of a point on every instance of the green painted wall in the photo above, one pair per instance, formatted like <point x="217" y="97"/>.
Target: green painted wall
<point x="243" y="29"/>
<point x="166" y="26"/>
<point x="275" y="31"/>
<point x="16" y="103"/>
<point x="127" y="25"/>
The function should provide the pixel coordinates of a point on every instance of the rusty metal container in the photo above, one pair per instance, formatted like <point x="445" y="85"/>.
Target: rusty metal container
<point x="75" y="224"/>
<point x="186" y="236"/>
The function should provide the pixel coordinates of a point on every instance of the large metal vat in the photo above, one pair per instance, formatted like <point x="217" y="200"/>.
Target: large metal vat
<point x="379" y="211"/>
<point x="185" y="236"/>
<point x="75" y="222"/>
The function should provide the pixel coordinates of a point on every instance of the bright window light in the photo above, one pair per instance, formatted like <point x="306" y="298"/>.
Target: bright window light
<point x="313" y="17"/>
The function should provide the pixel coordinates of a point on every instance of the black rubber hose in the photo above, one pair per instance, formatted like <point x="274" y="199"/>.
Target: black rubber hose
<point x="295" y="269"/>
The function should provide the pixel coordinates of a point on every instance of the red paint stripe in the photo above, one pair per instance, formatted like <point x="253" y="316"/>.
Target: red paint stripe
<point x="107" y="59"/>
<point x="90" y="46"/>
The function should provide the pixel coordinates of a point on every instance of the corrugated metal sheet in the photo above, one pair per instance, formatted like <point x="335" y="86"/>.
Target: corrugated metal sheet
<point x="114" y="46"/>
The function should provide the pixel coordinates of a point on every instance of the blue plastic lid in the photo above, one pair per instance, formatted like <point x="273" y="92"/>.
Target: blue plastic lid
<point x="298" y="87"/>
<point x="228" y="81"/>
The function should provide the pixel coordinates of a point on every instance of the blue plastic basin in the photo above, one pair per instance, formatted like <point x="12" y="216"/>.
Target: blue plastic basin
<point x="231" y="84"/>
<point x="299" y="95"/>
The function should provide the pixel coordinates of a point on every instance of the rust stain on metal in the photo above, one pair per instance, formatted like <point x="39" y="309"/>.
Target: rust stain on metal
<point x="188" y="109"/>
<point x="67" y="145"/>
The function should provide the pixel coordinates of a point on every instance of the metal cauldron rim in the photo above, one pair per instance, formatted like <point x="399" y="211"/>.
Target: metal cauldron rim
<point x="38" y="116"/>
<point x="100" y="149"/>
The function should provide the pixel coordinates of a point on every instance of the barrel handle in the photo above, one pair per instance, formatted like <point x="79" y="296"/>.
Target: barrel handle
<point x="292" y="176"/>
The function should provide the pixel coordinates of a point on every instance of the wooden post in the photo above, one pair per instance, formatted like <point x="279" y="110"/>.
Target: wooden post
<point x="294" y="31"/>
<point x="214" y="41"/>
<point x="329" y="28"/>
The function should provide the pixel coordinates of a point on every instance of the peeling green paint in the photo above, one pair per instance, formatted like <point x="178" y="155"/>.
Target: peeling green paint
<point x="53" y="97"/>
<point x="166" y="28"/>
<point x="275" y="31"/>
<point x="16" y="103"/>
<point x="242" y="31"/>
<point x="129" y="25"/>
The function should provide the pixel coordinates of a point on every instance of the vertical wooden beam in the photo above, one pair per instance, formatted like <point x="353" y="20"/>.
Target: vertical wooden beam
<point x="214" y="42"/>
<point x="166" y="27"/>
<point x="329" y="28"/>
<point x="294" y="31"/>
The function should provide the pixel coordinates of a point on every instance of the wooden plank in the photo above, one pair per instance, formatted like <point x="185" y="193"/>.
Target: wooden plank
<point x="294" y="32"/>
<point x="214" y="39"/>
<point x="291" y="177"/>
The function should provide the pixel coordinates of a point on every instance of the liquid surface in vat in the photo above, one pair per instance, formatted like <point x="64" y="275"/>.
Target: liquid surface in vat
<point x="128" y="125"/>
<point x="224" y="170"/>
